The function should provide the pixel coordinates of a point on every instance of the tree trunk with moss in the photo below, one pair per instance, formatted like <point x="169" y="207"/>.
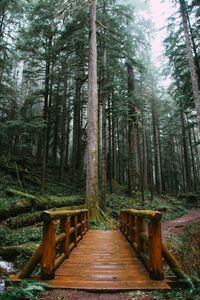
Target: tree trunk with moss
<point x="92" y="121"/>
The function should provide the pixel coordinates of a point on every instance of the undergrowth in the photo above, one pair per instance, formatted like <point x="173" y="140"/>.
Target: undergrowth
<point x="171" y="207"/>
<point x="186" y="249"/>
<point x="26" y="290"/>
<point x="20" y="236"/>
<point x="175" y="294"/>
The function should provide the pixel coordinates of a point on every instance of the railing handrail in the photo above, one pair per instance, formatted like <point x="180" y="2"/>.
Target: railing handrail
<point x="48" y="215"/>
<point x="150" y="214"/>
<point x="73" y="225"/>
<point x="147" y="246"/>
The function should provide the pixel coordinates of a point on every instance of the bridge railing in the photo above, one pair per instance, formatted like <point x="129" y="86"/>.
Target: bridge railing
<point x="145" y="238"/>
<point x="62" y="230"/>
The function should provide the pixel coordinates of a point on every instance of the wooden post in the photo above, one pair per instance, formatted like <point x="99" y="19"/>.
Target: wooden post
<point x="132" y="223"/>
<point x="82" y="225"/>
<point x="129" y="226"/>
<point x="85" y="221"/>
<point x="139" y="228"/>
<point x="48" y="250"/>
<point x="65" y="227"/>
<point x="126" y="224"/>
<point x="75" y="229"/>
<point x="120" y="219"/>
<point x="87" y="218"/>
<point x="155" y="249"/>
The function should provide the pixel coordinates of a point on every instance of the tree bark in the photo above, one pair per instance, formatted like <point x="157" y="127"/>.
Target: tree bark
<point x="92" y="124"/>
<point x="45" y="117"/>
<point x="133" y="176"/>
<point x="185" y="154"/>
<point x="63" y="128"/>
<point x="104" y="135"/>
<point x="158" y="179"/>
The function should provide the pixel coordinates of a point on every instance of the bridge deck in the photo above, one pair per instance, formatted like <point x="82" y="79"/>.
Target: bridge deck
<point x="104" y="260"/>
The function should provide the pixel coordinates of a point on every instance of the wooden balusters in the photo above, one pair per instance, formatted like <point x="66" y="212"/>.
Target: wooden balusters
<point x="147" y="246"/>
<point x="75" y="230"/>
<point x="85" y="221"/>
<point x="73" y="225"/>
<point x="139" y="229"/>
<point x="65" y="227"/>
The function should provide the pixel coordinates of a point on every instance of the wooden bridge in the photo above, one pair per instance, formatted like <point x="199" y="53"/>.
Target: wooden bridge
<point x="103" y="259"/>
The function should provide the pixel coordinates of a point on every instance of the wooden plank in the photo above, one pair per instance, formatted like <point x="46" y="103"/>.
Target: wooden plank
<point x="104" y="260"/>
<point x="114" y="286"/>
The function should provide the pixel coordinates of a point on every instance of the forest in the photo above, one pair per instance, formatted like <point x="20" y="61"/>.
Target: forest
<point x="89" y="120"/>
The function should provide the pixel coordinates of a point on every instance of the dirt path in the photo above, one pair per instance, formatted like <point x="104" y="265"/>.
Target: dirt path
<point x="176" y="226"/>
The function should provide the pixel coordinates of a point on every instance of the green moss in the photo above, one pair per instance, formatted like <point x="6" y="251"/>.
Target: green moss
<point x="20" y="236"/>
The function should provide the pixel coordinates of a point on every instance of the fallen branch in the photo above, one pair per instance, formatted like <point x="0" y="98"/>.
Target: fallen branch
<point x="175" y="265"/>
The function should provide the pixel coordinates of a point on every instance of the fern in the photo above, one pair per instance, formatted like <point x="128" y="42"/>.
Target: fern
<point x="26" y="290"/>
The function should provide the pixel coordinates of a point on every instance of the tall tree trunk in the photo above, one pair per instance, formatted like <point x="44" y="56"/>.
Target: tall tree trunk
<point x="63" y="128"/>
<point x="191" y="63"/>
<point x="104" y="133"/>
<point x="110" y="159"/>
<point x="144" y="153"/>
<point x="45" y="136"/>
<point x="76" y="154"/>
<point x="56" y="126"/>
<point x="185" y="154"/>
<point x="158" y="179"/>
<point x="114" y="168"/>
<point x="92" y="123"/>
<point x="133" y="176"/>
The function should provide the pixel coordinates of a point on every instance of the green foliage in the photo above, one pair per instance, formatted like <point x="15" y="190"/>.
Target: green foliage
<point x="100" y="224"/>
<point x="20" y="236"/>
<point x="177" y="294"/>
<point x="170" y="206"/>
<point x="186" y="248"/>
<point x="26" y="290"/>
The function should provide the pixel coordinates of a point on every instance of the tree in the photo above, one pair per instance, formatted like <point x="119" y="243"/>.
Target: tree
<point x="92" y="120"/>
<point x="191" y="62"/>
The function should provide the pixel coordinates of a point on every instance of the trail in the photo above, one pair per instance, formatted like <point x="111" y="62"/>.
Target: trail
<point x="176" y="226"/>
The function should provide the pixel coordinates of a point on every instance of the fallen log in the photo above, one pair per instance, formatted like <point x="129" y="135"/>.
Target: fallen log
<point x="20" y="194"/>
<point x="10" y="252"/>
<point x="32" y="218"/>
<point x="175" y="265"/>
<point x="37" y="203"/>
<point x="19" y="207"/>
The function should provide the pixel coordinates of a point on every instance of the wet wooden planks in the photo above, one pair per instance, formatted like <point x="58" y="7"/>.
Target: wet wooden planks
<point x="104" y="260"/>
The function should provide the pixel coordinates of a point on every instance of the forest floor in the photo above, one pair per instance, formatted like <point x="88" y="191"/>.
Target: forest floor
<point x="170" y="228"/>
<point x="21" y="226"/>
